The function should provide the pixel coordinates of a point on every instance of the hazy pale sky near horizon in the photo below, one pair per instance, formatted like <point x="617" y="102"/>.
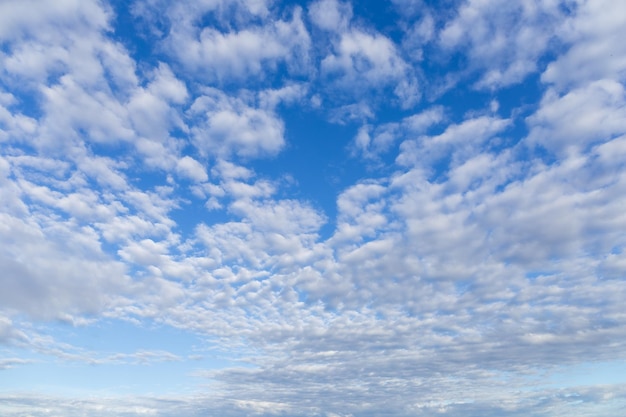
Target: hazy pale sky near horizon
<point x="312" y="208"/>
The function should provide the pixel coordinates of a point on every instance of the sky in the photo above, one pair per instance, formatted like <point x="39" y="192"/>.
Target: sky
<point x="312" y="208"/>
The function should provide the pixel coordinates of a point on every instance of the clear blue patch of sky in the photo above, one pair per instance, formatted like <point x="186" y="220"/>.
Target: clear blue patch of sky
<point x="50" y="374"/>
<point x="135" y="33"/>
<point x="586" y="374"/>
<point x="26" y="101"/>
<point x="318" y="159"/>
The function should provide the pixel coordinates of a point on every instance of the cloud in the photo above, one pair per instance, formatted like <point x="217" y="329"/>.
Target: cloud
<point x="582" y="117"/>
<point x="87" y="86"/>
<point x="331" y="15"/>
<point x="11" y="362"/>
<point x="457" y="142"/>
<point x="362" y="59"/>
<point x="275" y="234"/>
<point x="49" y="40"/>
<point x="251" y="52"/>
<point x="23" y="18"/>
<point x="593" y="37"/>
<point x="192" y="169"/>
<point x="10" y="335"/>
<point x="369" y="60"/>
<point x="473" y="252"/>
<point x="371" y="143"/>
<point x="161" y="16"/>
<point x="42" y="280"/>
<point x="230" y="125"/>
<point x="287" y="95"/>
<point x="504" y="41"/>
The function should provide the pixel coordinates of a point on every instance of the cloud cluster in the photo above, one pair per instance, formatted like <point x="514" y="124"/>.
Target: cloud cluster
<point x="255" y="51"/>
<point x="480" y="251"/>
<point x="360" y="58"/>
<point x="504" y="41"/>
<point x="233" y="126"/>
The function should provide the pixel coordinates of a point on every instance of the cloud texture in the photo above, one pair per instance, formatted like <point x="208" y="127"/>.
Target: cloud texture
<point x="313" y="209"/>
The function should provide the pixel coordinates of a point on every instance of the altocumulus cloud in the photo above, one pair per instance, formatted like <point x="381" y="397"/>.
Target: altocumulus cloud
<point x="322" y="208"/>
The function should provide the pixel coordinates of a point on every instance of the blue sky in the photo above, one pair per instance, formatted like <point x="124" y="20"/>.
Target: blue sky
<point x="313" y="208"/>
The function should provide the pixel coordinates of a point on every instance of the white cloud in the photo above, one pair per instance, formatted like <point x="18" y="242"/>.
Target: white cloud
<point x="582" y="400"/>
<point x="360" y="111"/>
<point x="371" y="143"/>
<point x="361" y="59"/>
<point x="584" y="116"/>
<point x="70" y="109"/>
<point x="52" y="39"/>
<point x="361" y="213"/>
<point x="594" y="37"/>
<point x="86" y="84"/>
<point x="331" y="15"/>
<point x="230" y="171"/>
<point x="503" y="40"/>
<point x="230" y="125"/>
<point x="192" y="169"/>
<point x="289" y="94"/>
<point x="25" y="18"/>
<point x="370" y="60"/>
<point x="186" y="13"/>
<point x="418" y="35"/>
<point x="14" y="125"/>
<point x="105" y="171"/>
<point x="284" y="217"/>
<point x="459" y="141"/>
<point x="250" y="52"/>
<point x="468" y="250"/>
<point x="56" y="269"/>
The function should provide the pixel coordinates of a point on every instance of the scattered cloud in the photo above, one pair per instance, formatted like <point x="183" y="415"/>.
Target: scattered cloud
<point x="504" y="41"/>
<point x="164" y="168"/>
<point x="231" y="125"/>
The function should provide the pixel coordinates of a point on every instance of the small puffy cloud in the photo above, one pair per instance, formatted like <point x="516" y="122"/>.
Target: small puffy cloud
<point x="192" y="169"/>
<point x="165" y="85"/>
<point x="372" y="142"/>
<point x="331" y="15"/>
<point x="583" y="116"/>
<point x="230" y="125"/>
<point x="230" y="171"/>
<point x="458" y="141"/>
<point x="289" y="94"/>
<point x="284" y="216"/>
<point x="362" y="58"/>
<point x="71" y="108"/>
<point x="360" y="111"/>
<point x="162" y="16"/>
<point x="153" y="112"/>
<point x="594" y="36"/>
<point x="105" y="171"/>
<point x="361" y="212"/>
<point x="250" y="52"/>
<point x="503" y="40"/>
<point x="14" y="125"/>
